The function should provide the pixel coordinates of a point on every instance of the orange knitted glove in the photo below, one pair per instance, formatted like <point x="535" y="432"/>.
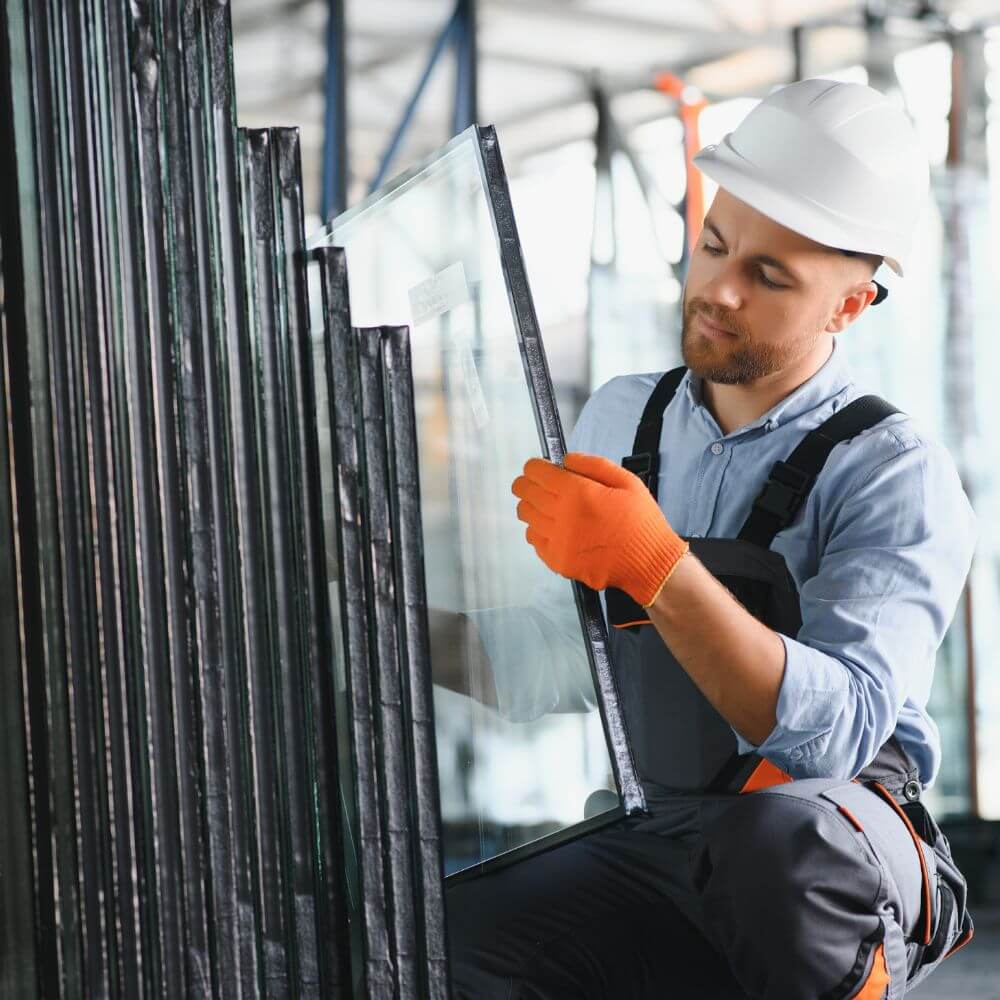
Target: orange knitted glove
<point x="596" y="522"/>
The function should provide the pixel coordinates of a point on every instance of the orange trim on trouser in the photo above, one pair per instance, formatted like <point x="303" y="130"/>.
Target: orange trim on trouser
<point x="765" y="775"/>
<point x="851" y="817"/>
<point x="645" y="621"/>
<point x="875" y="985"/>
<point x="959" y="944"/>
<point x="920" y="855"/>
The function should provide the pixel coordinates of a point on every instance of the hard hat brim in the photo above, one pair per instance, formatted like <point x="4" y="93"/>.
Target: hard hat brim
<point x="724" y="166"/>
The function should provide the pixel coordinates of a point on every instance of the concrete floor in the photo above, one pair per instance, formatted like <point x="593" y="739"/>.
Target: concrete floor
<point x="973" y="973"/>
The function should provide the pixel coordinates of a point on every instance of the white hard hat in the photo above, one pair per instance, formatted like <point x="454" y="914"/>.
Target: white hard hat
<point x="837" y="162"/>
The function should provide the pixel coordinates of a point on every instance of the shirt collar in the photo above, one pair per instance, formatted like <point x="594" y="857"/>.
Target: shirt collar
<point x="830" y="380"/>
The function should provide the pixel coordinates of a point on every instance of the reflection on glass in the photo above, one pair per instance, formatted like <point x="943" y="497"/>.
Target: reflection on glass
<point x="517" y="761"/>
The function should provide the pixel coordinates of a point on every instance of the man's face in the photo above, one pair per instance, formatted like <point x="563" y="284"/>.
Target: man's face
<point x="759" y="298"/>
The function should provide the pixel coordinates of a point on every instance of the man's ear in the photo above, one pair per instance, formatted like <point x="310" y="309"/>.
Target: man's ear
<point x="851" y="307"/>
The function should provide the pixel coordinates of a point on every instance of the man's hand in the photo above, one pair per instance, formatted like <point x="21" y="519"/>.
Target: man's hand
<point x="596" y="522"/>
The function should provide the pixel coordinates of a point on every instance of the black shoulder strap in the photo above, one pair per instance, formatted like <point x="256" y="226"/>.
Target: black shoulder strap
<point x="645" y="458"/>
<point x="789" y="482"/>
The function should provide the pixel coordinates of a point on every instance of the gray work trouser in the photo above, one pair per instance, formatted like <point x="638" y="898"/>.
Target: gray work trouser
<point x="798" y="891"/>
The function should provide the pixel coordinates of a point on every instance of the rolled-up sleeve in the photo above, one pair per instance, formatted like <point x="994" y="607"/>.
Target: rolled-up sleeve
<point x="539" y="660"/>
<point x="889" y="579"/>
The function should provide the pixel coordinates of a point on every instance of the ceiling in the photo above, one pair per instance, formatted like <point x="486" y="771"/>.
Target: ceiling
<point x="539" y="58"/>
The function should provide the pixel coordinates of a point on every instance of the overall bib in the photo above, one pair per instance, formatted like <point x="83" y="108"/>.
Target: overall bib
<point x="685" y="750"/>
<point x="680" y="742"/>
<point x="812" y="888"/>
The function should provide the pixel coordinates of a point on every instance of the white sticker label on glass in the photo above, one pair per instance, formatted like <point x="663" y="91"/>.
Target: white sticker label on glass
<point x="477" y="400"/>
<point x="464" y="371"/>
<point x="437" y="295"/>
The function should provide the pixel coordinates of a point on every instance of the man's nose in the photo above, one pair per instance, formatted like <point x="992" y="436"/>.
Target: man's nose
<point x="724" y="289"/>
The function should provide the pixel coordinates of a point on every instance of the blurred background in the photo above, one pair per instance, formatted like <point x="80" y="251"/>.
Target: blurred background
<point x="599" y="106"/>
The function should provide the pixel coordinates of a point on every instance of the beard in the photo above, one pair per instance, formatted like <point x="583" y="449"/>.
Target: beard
<point x="737" y="362"/>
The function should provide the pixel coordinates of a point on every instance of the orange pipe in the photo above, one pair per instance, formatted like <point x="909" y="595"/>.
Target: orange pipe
<point x="689" y="113"/>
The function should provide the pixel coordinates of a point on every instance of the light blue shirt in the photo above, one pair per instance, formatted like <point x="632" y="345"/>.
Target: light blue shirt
<point x="879" y="553"/>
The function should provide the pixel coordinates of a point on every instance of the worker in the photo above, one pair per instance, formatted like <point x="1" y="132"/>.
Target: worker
<point x="780" y="555"/>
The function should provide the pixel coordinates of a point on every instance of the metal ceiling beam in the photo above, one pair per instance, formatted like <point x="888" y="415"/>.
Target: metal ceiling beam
<point x="611" y="20"/>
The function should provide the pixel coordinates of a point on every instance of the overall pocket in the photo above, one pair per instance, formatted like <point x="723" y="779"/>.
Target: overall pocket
<point x="952" y="928"/>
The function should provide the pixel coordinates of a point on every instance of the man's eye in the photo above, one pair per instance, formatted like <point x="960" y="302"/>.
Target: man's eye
<point x="768" y="282"/>
<point x="714" y="251"/>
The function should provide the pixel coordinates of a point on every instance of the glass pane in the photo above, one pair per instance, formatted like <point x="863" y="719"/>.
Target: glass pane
<point x="521" y="747"/>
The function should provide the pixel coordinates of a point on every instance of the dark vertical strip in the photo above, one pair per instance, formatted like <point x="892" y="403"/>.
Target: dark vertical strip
<point x="161" y="519"/>
<point x="183" y="185"/>
<point x="37" y="432"/>
<point x="214" y="648"/>
<point x="280" y="496"/>
<point x="799" y="43"/>
<point x="466" y="111"/>
<point x="411" y="601"/>
<point x="19" y="955"/>
<point x="91" y="682"/>
<point x="335" y="132"/>
<point x="344" y="401"/>
<point x="113" y="468"/>
<point x="389" y="724"/>
<point x="132" y="449"/>
<point x="18" y="970"/>
<point x="260" y="560"/>
<point x="72" y="210"/>
<point x="551" y="437"/>
<point x="101" y="667"/>
<point x="318" y="869"/>
<point x="229" y="334"/>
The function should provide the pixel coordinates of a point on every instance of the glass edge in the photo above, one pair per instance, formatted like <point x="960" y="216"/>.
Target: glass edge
<point x="535" y="847"/>
<point x="547" y="418"/>
<point x="322" y="236"/>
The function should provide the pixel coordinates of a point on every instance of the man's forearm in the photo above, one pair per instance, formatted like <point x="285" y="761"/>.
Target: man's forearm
<point x="458" y="660"/>
<point x="735" y="661"/>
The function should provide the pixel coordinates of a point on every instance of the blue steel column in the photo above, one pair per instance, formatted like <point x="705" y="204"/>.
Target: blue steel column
<point x="334" y="196"/>
<point x="447" y="35"/>
<point x="798" y="52"/>
<point x="460" y="31"/>
<point x="466" y="68"/>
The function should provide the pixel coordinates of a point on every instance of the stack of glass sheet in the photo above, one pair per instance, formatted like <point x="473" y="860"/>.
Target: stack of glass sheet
<point x="530" y="741"/>
<point x="169" y="755"/>
<point x="222" y="759"/>
<point x="377" y="597"/>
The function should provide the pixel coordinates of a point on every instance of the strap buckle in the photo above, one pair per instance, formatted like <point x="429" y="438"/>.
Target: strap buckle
<point x="784" y="491"/>
<point x="642" y="465"/>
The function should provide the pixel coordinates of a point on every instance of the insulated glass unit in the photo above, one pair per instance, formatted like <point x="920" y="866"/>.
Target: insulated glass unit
<point x="522" y="683"/>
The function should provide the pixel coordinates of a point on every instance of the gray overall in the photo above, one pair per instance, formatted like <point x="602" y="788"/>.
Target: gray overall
<point x="739" y="882"/>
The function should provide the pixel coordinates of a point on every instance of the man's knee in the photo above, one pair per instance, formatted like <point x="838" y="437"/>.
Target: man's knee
<point x="790" y="892"/>
<point x="772" y="846"/>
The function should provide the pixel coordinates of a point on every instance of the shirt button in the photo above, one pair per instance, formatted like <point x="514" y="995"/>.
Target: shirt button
<point x="717" y="449"/>
<point x="795" y="754"/>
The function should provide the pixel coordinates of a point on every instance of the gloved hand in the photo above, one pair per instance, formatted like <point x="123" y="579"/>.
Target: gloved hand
<point x="596" y="522"/>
